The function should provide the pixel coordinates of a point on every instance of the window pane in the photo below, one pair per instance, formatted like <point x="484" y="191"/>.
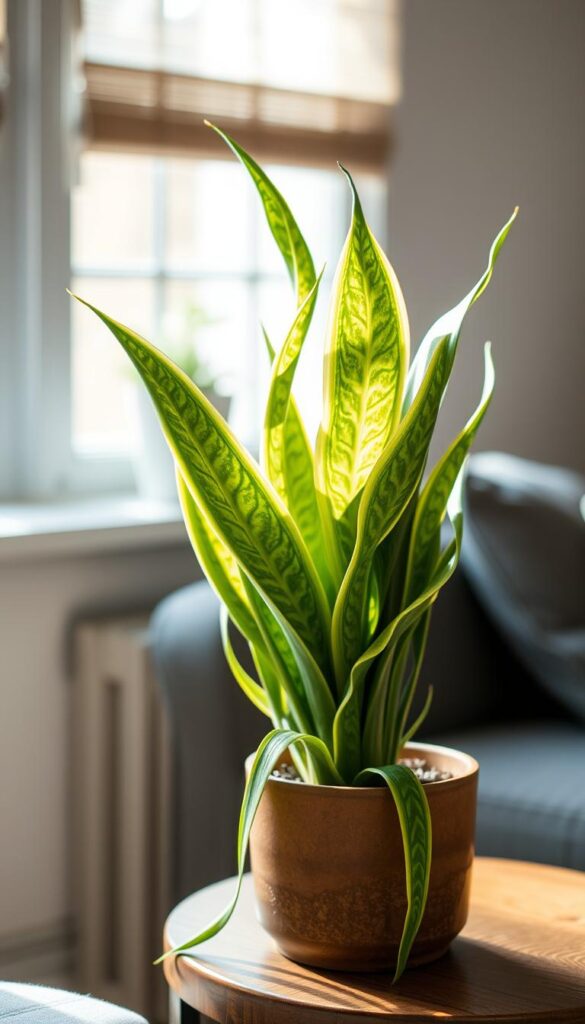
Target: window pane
<point x="113" y="212"/>
<point x="208" y="221"/>
<point x="212" y="319"/>
<point x="104" y="384"/>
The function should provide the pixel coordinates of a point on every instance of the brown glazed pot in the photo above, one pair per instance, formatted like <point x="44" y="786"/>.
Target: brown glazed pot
<point x="328" y="868"/>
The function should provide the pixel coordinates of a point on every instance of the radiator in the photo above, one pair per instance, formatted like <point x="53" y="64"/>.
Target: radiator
<point x="122" y="806"/>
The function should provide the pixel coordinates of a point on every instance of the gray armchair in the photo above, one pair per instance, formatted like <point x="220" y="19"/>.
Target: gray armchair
<point x="505" y="657"/>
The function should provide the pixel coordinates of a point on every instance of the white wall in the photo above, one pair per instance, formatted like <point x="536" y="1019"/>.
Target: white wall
<point x="39" y="599"/>
<point x="493" y="115"/>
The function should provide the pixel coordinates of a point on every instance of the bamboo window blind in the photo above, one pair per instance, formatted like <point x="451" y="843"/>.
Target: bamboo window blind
<point x="297" y="81"/>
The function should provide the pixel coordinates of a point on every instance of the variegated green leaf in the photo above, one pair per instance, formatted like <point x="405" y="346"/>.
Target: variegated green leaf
<point x="281" y="222"/>
<point x="355" y="745"/>
<point x="218" y="564"/>
<point x="309" y="695"/>
<point x="451" y="323"/>
<point x="432" y="504"/>
<point x="416" y="827"/>
<point x="400" y="733"/>
<point x="253" y="691"/>
<point x="288" y="458"/>
<point x="303" y="501"/>
<point x="445" y="565"/>
<point x="390" y="486"/>
<point x="272" y="747"/>
<point x="419" y="720"/>
<point x="366" y="360"/>
<point x="225" y="483"/>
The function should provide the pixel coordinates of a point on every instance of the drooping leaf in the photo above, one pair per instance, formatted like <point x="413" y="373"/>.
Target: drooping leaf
<point x="365" y="360"/>
<point x="281" y="222"/>
<point x="416" y="827"/>
<point x="390" y="486"/>
<point x="432" y="504"/>
<point x="225" y="483"/>
<point x="451" y="323"/>
<point x="272" y="747"/>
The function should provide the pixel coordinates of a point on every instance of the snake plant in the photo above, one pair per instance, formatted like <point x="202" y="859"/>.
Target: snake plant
<point x="328" y="561"/>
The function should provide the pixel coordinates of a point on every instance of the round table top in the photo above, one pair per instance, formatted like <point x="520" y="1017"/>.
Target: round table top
<point x="521" y="957"/>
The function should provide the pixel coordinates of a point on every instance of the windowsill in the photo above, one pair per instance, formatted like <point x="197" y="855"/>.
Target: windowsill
<point x="83" y="526"/>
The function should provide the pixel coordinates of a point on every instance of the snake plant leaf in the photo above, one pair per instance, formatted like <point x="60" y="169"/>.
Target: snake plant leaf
<point x="418" y="646"/>
<point x="384" y="722"/>
<point x="451" y="323"/>
<point x="218" y="564"/>
<point x="446" y="564"/>
<point x="228" y="487"/>
<point x="253" y="691"/>
<point x="222" y="571"/>
<point x="287" y="454"/>
<point x="272" y="747"/>
<point x="310" y="696"/>
<point x="416" y="827"/>
<point x="281" y="657"/>
<point x="432" y="504"/>
<point x="354" y="744"/>
<point x="366" y="359"/>
<point x="390" y="486"/>
<point x="419" y="720"/>
<point x="298" y="486"/>
<point x="281" y="222"/>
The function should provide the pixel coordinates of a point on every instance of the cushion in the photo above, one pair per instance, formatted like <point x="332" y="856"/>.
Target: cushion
<point x="524" y="554"/>
<point x="531" y="790"/>
<point x="35" y="1004"/>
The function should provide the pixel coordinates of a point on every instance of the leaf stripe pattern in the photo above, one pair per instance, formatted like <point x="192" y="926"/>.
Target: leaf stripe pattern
<point x="365" y="364"/>
<point x="389" y="488"/>
<point x="225" y="483"/>
<point x="288" y="458"/>
<point x="218" y="564"/>
<point x="415" y="824"/>
<point x="433" y="501"/>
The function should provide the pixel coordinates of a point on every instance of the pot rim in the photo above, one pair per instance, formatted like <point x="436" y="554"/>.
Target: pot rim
<point x="469" y="769"/>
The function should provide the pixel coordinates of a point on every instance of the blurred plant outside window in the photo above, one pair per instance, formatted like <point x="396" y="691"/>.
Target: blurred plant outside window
<point x="167" y="234"/>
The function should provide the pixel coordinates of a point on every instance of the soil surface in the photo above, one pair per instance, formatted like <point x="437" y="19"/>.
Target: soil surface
<point x="423" y="770"/>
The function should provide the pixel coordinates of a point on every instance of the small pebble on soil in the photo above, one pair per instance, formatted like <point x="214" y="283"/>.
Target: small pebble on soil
<point x="424" y="771"/>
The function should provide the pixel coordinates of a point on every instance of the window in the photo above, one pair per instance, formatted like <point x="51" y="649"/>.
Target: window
<point x="179" y="249"/>
<point x="119" y="191"/>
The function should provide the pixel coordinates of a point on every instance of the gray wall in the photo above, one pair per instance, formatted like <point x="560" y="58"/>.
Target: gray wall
<point x="493" y="115"/>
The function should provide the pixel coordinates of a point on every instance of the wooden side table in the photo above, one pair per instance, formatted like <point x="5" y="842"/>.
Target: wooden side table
<point x="521" y="957"/>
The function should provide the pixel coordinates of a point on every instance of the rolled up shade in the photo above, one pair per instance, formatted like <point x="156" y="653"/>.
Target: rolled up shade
<point x="306" y="81"/>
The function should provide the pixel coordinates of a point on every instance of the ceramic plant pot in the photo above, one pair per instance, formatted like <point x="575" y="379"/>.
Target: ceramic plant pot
<point x="328" y="868"/>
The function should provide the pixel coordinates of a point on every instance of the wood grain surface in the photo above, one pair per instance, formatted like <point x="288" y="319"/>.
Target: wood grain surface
<point x="521" y="957"/>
